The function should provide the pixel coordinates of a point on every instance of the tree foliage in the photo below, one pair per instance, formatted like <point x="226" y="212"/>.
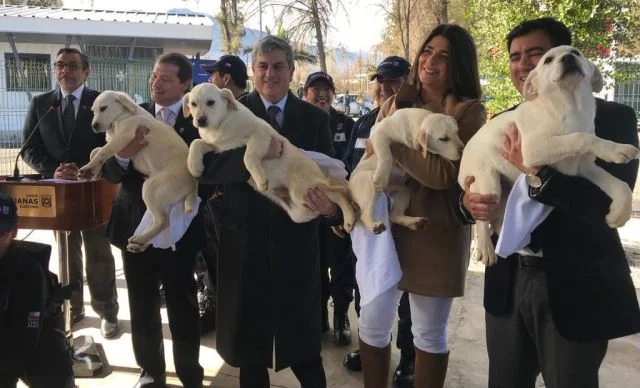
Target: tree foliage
<point x="605" y="30"/>
<point x="231" y="21"/>
<point x="300" y="54"/>
<point x="37" y="3"/>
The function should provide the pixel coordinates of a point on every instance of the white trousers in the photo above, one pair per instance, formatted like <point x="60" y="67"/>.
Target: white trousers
<point x="429" y="317"/>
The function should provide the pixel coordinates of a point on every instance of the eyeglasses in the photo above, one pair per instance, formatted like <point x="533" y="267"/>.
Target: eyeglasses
<point x="381" y="80"/>
<point x="72" y="66"/>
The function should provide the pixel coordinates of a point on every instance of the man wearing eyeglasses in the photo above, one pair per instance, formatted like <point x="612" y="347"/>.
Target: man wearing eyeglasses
<point x="61" y="144"/>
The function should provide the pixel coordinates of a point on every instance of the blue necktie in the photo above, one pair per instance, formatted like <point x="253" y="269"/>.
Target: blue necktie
<point x="69" y="116"/>
<point x="273" y="111"/>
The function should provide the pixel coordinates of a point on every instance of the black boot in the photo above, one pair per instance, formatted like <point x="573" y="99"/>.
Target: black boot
<point x="352" y="361"/>
<point x="341" y="329"/>
<point x="404" y="375"/>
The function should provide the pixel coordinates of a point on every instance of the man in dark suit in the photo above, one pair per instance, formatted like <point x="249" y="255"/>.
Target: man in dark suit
<point x="552" y="308"/>
<point x="60" y="144"/>
<point x="268" y="266"/>
<point x="147" y="270"/>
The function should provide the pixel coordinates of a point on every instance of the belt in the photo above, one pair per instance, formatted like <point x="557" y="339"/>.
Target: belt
<point x="531" y="262"/>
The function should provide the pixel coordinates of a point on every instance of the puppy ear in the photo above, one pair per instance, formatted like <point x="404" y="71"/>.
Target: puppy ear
<point x="597" y="82"/>
<point x="420" y="143"/>
<point x="186" y="112"/>
<point x="231" y="100"/>
<point x="127" y="102"/>
<point x="530" y="89"/>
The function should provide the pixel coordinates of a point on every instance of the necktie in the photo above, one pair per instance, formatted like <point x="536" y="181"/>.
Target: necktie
<point x="166" y="115"/>
<point x="273" y="111"/>
<point x="69" y="116"/>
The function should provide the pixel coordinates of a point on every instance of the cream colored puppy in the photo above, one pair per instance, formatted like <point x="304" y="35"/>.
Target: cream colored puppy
<point x="556" y="125"/>
<point x="225" y="124"/>
<point x="415" y="128"/>
<point x="163" y="161"/>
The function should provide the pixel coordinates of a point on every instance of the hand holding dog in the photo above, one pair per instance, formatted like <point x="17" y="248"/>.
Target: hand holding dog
<point x="136" y="144"/>
<point x="512" y="149"/>
<point x="318" y="202"/>
<point x="482" y="207"/>
<point x="275" y="149"/>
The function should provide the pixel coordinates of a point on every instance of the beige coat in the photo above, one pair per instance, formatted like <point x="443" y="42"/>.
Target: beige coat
<point x="434" y="260"/>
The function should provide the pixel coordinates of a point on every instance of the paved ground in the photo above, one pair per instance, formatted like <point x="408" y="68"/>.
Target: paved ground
<point x="468" y="363"/>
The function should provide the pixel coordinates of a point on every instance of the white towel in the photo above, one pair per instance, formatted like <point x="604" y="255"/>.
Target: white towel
<point x="521" y="217"/>
<point x="377" y="268"/>
<point x="333" y="168"/>
<point x="179" y="222"/>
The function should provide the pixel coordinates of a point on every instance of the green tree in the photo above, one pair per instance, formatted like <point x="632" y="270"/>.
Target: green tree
<point x="605" y="30"/>
<point x="231" y="22"/>
<point x="300" y="54"/>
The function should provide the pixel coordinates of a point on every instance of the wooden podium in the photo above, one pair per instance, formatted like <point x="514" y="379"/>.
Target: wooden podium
<point x="64" y="206"/>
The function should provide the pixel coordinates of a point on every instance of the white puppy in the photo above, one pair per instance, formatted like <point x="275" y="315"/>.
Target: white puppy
<point x="163" y="161"/>
<point x="225" y="124"/>
<point x="556" y="125"/>
<point x="415" y="128"/>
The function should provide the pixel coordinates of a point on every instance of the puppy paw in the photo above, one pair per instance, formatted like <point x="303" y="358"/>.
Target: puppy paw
<point x="263" y="186"/>
<point x="379" y="182"/>
<point x="418" y="224"/>
<point x="89" y="171"/>
<point x="486" y="254"/>
<point x="136" y="246"/>
<point x="195" y="165"/>
<point x="378" y="228"/>
<point x="620" y="153"/>
<point x="619" y="213"/>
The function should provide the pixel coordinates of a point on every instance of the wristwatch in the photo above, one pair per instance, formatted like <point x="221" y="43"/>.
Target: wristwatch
<point x="534" y="181"/>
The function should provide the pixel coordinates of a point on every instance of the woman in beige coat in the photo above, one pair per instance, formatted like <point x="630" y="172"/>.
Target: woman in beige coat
<point x="444" y="79"/>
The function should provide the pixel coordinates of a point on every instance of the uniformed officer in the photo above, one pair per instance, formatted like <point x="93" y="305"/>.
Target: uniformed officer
<point x="334" y="251"/>
<point x="32" y="335"/>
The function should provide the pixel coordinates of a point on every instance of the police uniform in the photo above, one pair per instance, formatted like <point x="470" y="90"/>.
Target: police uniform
<point x="335" y="252"/>
<point x="34" y="348"/>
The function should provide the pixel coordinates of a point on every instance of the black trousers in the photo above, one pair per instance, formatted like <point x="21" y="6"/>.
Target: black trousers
<point x="100" y="268"/>
<point x="144" y="273"/>
<point x="524" y="343"/>
<point x="310" y="375"/>
<point x="336" y="257"/>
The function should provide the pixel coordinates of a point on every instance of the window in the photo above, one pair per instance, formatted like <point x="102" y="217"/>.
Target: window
<point x="36" y="69"/>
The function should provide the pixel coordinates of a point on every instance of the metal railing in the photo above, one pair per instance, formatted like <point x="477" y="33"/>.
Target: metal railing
<point x="130" y="76"/>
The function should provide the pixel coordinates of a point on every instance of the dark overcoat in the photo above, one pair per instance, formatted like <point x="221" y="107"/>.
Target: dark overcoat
<point x="268" y="266"/>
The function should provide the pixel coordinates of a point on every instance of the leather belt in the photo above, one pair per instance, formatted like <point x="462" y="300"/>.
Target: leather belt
<point x="531" y="262"/>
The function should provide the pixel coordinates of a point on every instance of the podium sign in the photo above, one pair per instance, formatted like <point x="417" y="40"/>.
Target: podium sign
<point x="59" y="205"/>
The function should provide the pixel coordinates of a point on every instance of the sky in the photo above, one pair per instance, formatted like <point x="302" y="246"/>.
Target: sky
<point x="359" y="31"/>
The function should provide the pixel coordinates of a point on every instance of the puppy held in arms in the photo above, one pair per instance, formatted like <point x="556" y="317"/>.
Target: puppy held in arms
<point x="225" y="124"/>
<point x="163" y="161"/>
<point x="556" y="125"/>
<point x="415" y="128"/>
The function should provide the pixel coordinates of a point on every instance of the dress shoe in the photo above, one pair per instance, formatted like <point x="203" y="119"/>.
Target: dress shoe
<point x="403" y="376"/>
<point x="341" y="330"/>
<point x="77" y="316"/>
<point x="148" y="381"/>
<point x="109" y="327"/>
<point x="352" y="361"/>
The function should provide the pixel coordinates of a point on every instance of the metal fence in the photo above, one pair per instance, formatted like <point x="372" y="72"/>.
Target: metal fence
<point x="130" y="76"/>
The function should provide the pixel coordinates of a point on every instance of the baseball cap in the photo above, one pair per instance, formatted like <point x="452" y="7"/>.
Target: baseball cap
<point x="392" y="67"/>
<point x="8" y="213"/>
<point x="229" y="64"/>
<point x="320" y="76"/>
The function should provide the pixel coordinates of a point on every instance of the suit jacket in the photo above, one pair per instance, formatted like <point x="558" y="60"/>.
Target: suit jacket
<point x="50" y="145"/>
<point x="268" y="266"/>
<point x="128" y="206"/>
<point x="591" y="294"/>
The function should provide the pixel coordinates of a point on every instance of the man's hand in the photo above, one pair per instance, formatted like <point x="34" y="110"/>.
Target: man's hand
<point x="368" y="150"/>
<point x="512" y="149"/>
<point x="275" y="149"/>
<point x="136" y="144"/>
<point x="318" y="202"/>
<point x="481" y="207"/>
<point x="68" y="171"/>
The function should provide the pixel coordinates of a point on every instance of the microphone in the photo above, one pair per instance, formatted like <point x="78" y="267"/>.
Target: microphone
<point x="16" y="172"/>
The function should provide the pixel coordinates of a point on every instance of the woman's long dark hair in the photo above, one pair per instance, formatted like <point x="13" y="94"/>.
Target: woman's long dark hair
<point x="464" y="79"/>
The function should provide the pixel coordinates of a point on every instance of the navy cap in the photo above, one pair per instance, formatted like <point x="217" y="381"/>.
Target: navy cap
<point x="392" y="67"/>
<point x="320" y="76"/>
<point x="8" y="213"/>
<point x="229" y="64"/>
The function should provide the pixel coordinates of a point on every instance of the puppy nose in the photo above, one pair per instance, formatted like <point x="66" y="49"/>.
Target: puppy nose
<point x="95" y="126"/>
<point x="202" y="121"/>
<point x="568" y="59"/>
